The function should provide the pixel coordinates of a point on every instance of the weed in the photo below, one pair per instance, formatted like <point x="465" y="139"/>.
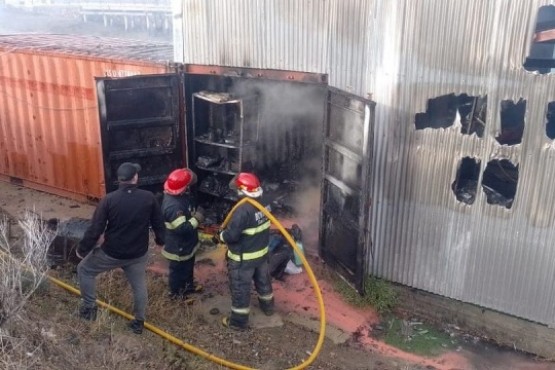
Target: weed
<point x="416" y="337"/>
<point x="377" y="294"/>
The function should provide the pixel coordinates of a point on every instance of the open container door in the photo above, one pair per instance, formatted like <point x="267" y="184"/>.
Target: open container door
<point x="345" y="208"/>
<point x="141" y="120"/>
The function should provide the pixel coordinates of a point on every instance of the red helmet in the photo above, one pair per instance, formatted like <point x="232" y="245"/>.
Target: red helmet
<point x="249" y="184"/>
<point x="179" y="180"/>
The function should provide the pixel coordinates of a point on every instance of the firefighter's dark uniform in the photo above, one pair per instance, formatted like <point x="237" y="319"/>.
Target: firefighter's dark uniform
<point x="181" y="241"/>
<point x="247" y="237"/>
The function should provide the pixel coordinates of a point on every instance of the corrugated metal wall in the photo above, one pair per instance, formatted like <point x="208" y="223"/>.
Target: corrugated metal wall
<point x="328" y="37"/>
<point x="49" y="126"/>
<point x="402" y="53"/>
<point x="485" y="254"/>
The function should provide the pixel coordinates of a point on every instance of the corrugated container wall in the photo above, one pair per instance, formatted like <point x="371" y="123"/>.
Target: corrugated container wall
<point x="49" y="126"/>
<point x="402" y="53"/>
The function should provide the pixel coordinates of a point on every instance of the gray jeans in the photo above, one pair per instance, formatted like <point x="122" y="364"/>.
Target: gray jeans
<point x="97" y="262"/>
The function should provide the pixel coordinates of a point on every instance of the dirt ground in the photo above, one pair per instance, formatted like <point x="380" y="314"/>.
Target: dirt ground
<point x="64" y="341"/>
<point x="61" y="340"/>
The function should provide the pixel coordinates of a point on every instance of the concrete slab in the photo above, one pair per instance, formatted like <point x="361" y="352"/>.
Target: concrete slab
<point x="213" y="308"/>
<point x="333" y="333"/>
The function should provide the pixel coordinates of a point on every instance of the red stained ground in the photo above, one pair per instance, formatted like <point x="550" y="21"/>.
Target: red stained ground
<point x="296" y="294"/>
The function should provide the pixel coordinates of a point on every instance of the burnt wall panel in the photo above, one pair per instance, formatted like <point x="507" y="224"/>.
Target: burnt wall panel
<point x="141" y="123"/>
<point x="345" y="201"/>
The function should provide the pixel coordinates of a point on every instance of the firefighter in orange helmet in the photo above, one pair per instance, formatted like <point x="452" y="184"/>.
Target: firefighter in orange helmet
<point x="247" y="237"/>
<point x="181" y="217"/>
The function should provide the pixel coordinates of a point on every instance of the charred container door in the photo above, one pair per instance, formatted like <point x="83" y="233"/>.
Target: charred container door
<point x="141" y="122"/>
<point x="345" y="216"/>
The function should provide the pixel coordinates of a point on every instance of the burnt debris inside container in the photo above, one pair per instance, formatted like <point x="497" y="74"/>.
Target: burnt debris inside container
<point x="270" y="128"/>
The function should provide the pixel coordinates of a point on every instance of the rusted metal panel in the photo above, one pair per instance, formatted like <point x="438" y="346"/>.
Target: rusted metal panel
<point x="49" y="126"/>
<point x="264" y="74"/>
<point x="90" y="46"/>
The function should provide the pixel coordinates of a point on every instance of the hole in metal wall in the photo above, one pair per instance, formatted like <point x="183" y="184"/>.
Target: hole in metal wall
<point x="472" y="110"/>
<point x="500" y="181"/>
<point x="466" y="181"/>
<point x="441" y="112"/>
<point x="550" y="124"/>
<point x="512" y="122"/>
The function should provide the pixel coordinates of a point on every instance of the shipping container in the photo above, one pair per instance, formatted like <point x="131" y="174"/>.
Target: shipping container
<point x="50" y="137"/>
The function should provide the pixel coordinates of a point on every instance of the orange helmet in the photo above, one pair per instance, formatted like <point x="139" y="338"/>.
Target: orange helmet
<point x="248" y="184"/>
<point x="179" y="180"/>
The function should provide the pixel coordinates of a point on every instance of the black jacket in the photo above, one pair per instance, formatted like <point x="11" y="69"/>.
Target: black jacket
<point x="248" y="230"/>
<point x="124" y="216"/>
<point x="181" y="227"/>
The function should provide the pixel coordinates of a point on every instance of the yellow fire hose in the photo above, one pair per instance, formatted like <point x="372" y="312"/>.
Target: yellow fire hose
<point x="207" y="355"/>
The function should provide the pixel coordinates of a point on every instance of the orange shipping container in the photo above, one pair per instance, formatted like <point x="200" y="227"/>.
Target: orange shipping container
<point x="49" y="123"/>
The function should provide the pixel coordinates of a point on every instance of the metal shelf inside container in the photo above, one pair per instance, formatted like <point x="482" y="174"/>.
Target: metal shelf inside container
<point x="228" y="197"/>
<point x="216" y="97"/>
<point x="223" y="145"/>
<point x="217" y="170"/>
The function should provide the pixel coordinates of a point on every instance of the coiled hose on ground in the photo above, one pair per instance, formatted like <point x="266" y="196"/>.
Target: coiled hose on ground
<point x="211" y="357"/>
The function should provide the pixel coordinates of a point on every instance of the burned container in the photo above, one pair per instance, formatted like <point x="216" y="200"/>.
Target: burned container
<point x="49" y="126"/>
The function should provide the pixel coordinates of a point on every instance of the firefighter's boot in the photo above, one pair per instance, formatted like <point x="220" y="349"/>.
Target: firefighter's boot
<point x="236" y="321"/>
<point x="266" y="305"/>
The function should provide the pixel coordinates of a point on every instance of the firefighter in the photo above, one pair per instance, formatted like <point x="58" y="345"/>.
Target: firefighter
<point x="182" y="217"/>
<point x="247" y="237"/>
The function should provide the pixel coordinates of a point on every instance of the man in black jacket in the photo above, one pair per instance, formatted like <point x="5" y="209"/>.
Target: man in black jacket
<point x="124" y="216"/>
<point x="182" y="217"/>
<point x="247" y="236"/>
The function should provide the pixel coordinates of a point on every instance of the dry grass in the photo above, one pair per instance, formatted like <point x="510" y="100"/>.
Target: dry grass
<point x="23" y="269"/>
<point x="46" y="332"/>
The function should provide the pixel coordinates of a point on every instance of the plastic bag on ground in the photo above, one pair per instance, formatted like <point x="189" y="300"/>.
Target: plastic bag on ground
<point x="291" y="269"/>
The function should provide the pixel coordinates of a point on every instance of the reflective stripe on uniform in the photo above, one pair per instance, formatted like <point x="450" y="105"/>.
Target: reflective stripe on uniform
<point x="258" y="229"/>
<point x="240" y="311"/>
<point x="180" y="221"/>
<point x="176" y="223"/>
<point x="267" y="297"/>
<point x="247" y="256"/>
<point x="175" y="257"/>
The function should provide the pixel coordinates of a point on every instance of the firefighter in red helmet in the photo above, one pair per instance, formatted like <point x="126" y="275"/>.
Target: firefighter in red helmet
<point x="181" y="217"/>
<point x="247" y="237"/>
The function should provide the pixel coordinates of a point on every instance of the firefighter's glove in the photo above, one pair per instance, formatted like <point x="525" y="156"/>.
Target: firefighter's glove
<point x="198" y="216"/>
<point x="217" y="238"/>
